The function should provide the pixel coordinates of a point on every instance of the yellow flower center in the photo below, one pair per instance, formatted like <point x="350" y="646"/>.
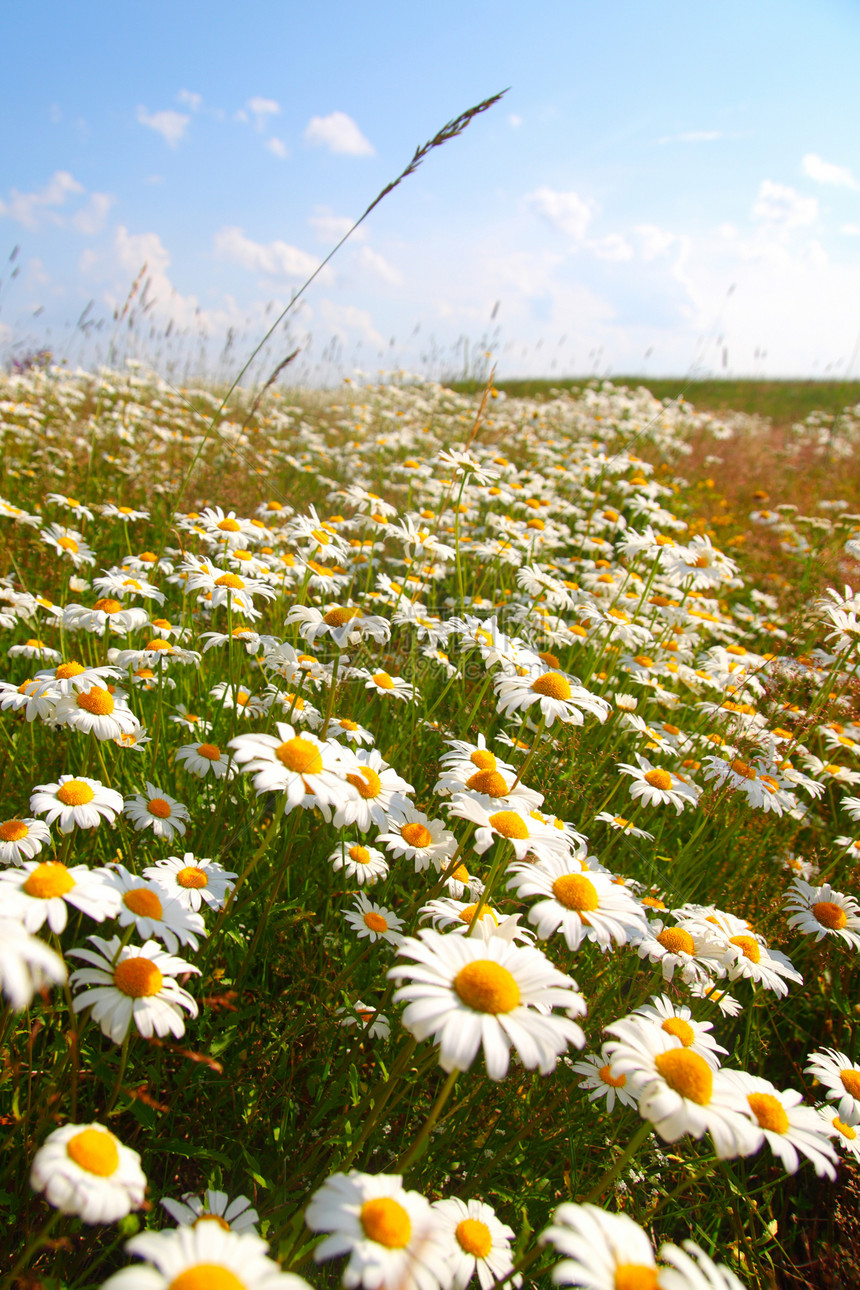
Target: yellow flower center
<point x="575" y="891"/>
<point x="769" y="1112"/>
<point x="416" y="834"/>
<point x="338" y="617"/>
<point x="68" y="544"/>
<point x="375" y="921"/>
<point x="635" y="1276"/>
<point x="384" y="681"/>
<point x="192" y="877"/>
<point x="460" y="874"/>
<point x="845" y="1129"/>
<point x="748" y="946"/>
<point x="143" y="902"/>
<point x="231" y="580"/>
<point x="207" y="1276"/>
<point x="95" y="1151"/>
<point x="686" y="1073"/>
<point x="474" y="1238"/>
<point x="486" y="986"/>
<point x="148" y="557"/>
<point x="229" y="525"/>
<point x="75" y="793"/>
<point x="483" y="759"/>
<point x="66" y="671"/>
<point x="681" y="1029"/>
<point x="209" y="751"/>
<point x="385" y="1221"/>
<point x="137" y="977"/>
<point x="643" y="660"/>
<point x="49" y="880"/>
<point x="212" y="1218"/>
<point x="743" y="769"/>
<point x="676" y="941"/>
<point x="158" y="807"/>
<point x="346" y="724"/>
<point x="851" y="1082"/>
<point x="489" y="782"/>
<point x="653" y="902"/>
<point x="158" y="644"/>
<point x="467" y="915"/>
<point x="300" y="756"/>
<point x="367" y="782"/>
<point x="96" y="701"/>
<point x="659" y="779"/>
<point x="13" y="831"/>
<point x="614" y="1081"/>
<point x="830" y="915"/>
<point x="359" y="855"/>
<point x="509" y="824"/>
<point x="108" y="606"/>
<point x="552" y="684"/>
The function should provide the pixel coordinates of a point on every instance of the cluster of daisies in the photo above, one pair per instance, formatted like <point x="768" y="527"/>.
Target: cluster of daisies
<point x="290" y="663"/>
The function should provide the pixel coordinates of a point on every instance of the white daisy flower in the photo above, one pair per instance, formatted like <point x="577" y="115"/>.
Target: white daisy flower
<point x="193" y="882"/>
<point x="456" y="916"/>
<point x="158" y="811"/>
<point x="392" y="1236"/>
<point x="68" y="542"/>
<point x="790" y="1128"/>
<point x="846" y="1136"/>
<point x="345" y="624"/>
<point x="600" y="1081"/>
<point x="203" y="1257"/>
<point x="421" y="839"/>
<point x="675" y="1019"/>
<point x="84" y="1169"/>
<point x="392" y="687"/>
<point x="307" y="769"/>
<point x="26" y="964"/>
<point x="380" y="793"/>
<point x="34" y="648"/>
<point x="76" y="802"/>
<point x="478" y="1242"/>
<point x="34" y="698"/>
<point x="204" y="759"/>
<point x="148" y="907"/>
<point x="557" y="697"/>
<point x="132" y="983"/>
<point x="22" y="839"/>
<point x="600" y="1250"/>
<point x="622" y="825"/>
<point x="374" y="1025"/>
<point x="841" y="1077"/>
<point x="190" y="720"/>
<point x="237" y="1215"/>
<point x="466" y="992"/>
<point x="692" y="1269"/>
<point x="657" y="786"/>
<point x="821" y="911"/>
<point x="678" y="1091"/>
<point x="366" y="865"/>
<point x="727" y="1005"/>
<point x="746" y="956"/>
<point x="374" y="921"/>
<point x="687" y="948"/>
<point x="97" y="712"/>
<point x="527" y="831"/>
<point x="350" y="730"/>
<point x="582" y="906"/>
<point x="38" y="892"/>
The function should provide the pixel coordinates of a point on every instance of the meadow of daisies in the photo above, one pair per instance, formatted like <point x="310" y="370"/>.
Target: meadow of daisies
<point x="427" y="856"/>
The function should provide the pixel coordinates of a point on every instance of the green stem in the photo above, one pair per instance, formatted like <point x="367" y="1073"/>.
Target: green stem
<point x="411" y="1155"/>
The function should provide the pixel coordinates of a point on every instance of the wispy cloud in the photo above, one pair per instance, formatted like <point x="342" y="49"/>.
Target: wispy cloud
<point x="262" y="109"/>
<point x="277" y="147"/>
<point x="695" y="136"/>
<point x="379" y="266"/>
<point x="169" y="124"/>
<point x="31" y="209"/>
<point x="339" y="133"/>
<point x="189" y="99"/>
<point x="273" y="259"/>
<point x="330" y="228"/>
<point x="825" y="172"/>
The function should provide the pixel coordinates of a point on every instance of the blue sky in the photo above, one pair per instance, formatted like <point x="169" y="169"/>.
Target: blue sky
<point x="666" y="187"/>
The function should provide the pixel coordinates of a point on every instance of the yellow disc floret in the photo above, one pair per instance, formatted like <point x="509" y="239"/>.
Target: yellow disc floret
<point x="486" y="986"/>
<point x="95" y="1151"/>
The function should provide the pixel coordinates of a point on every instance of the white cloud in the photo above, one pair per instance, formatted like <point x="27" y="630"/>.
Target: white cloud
<point x="261" y="109"/>
<point x="567" y="212"/>
<point x="191" y="100"/>
<point x="273" y="259"/>
<point x="378" y="265"/>
<point x="91" y="218"/>
<point x="27" y="207"/>
<point x="169" y="124"/>
<point x="784" y="207"/>
<point x="515" y="120"/>
<point x="339" y="133"/>
<point x="654" y="241"/>
<point x="850" y="230"/>
<point x="330" y="228"/>
<point x="825" y="172"/>
<point x="277" y="147"/>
